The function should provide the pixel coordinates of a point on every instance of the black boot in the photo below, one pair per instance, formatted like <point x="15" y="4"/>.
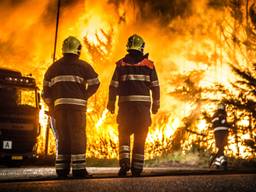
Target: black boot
<point x="224" y="163"/>
<point x="62" y="174"/>
<point x="124" y="168"/>
<point x="81" y="173"/>
<point x="136" y="172"/>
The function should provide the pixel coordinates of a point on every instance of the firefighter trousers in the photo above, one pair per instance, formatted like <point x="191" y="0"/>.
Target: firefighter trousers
<point x="133" y="118"/>
<point x="70" y="125"/>
<point x="140" y="135"/>
<point x="221" y="141"/>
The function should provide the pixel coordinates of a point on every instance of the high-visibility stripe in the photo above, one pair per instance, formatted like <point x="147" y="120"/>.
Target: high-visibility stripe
<point x="78" y="166"/>
<point x="215" y="119"/>
<point x="222" y="159"/>
<point x="70" y="101"/>
<point x="61" y="166"/>
<point x="46" y="83"/>
<point x="133" y="77"/>
<point x="143" y="98"/>
<point x="124" y="148"/>
<point x="155" y="83"/>
<point x="217" y="163"/>
<point x="93" y="81"/>
<point x="78" y="157"/>
<point x="124" y="156"/>
<point x="62" y="157"/>
<point x="139" y="157"/>
<point x="66" y="78"/>
<point x="137" y="165"/>
<point x="114" y="84"/>
<point x="220" y="128"/>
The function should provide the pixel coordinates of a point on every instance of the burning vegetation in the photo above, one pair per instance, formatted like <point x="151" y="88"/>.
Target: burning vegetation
<point x="204" y="51"/>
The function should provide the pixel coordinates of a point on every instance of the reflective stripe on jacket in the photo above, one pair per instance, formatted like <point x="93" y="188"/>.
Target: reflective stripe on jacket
<point x="69" y="81"/>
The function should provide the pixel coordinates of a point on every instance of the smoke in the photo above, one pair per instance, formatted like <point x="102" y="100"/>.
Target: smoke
<point x="164" y="10"/>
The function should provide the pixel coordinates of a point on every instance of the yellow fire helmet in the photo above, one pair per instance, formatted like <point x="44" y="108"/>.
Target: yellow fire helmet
<point x="135" y="42"/>
<point x="71" y="45"/>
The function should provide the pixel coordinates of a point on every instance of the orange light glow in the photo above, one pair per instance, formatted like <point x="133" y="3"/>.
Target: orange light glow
<point x="191" y="54"/>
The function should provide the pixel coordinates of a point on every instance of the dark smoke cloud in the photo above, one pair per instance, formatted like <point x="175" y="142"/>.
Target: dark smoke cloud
<point x="164" y="10"/>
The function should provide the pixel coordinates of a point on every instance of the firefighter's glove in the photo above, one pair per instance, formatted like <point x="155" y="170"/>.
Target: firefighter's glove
<point x="155" y="108"/>
<point x="111" y="107"/>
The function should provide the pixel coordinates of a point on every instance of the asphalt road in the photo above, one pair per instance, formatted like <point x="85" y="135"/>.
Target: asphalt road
<point x="172" y="179"/>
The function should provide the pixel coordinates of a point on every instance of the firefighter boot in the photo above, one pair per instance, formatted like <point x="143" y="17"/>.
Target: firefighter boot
<point x="137" y="164"/>
<point x="223" y="162"/>
<point x="81" y="174"/>
<point x="124" y="160"/>
<point x="62" y="165"/>
<point x="78" y="166"/>
<point x="216" y="163"/>
<point x="136" y="172"/>
<point x="124" y="168"/>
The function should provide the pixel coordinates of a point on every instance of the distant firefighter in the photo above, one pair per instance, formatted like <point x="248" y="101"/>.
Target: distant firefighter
<point x="134" y="77"/>
<point x="220" y="127"/>
<point x="68" y="83"/>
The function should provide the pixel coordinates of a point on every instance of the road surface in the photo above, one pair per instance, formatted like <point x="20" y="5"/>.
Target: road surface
<point x="105" y="179"/>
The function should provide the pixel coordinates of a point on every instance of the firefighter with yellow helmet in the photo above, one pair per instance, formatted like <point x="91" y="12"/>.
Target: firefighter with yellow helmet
<point x="220" y="128"/>
<point x="134" y="78"/>
<point x="68" y="84"/>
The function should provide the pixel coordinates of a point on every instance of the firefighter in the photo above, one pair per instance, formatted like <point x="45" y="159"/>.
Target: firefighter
<point x="134" y="77"/>
<point x="68" y="84"/>
<point x="220" y="127"/>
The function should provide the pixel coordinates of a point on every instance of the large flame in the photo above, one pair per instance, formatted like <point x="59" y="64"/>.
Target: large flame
<point x="192" y="54"/>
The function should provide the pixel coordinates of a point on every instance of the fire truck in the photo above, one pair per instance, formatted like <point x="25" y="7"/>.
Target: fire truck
<point x="19" y="116"/>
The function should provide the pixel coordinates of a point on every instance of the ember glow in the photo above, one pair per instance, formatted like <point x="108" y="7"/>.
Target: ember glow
<point x="192" y="53"/>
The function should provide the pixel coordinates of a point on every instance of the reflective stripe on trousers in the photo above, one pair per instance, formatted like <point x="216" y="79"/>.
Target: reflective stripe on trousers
<point x="124" y="152"/>
<point x="138" y="161"/>
<point x="62" y="162"/>
<point x="78" y="161"/>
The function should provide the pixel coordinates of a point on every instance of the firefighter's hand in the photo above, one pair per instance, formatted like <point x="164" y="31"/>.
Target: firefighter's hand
<point x="111" y="107"/>
<point x="154" y="109"/>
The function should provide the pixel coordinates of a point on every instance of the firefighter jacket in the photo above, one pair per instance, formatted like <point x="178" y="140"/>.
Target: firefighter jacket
<point x="219" y="121"/>
<point x="69" y="82"/>
<point x="134" y="77"/>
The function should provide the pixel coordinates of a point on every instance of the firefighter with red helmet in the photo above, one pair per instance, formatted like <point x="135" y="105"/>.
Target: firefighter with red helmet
<point x="68" y="84"/>
<point x="220" y="127"/>
<point x="134" y="78"/>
